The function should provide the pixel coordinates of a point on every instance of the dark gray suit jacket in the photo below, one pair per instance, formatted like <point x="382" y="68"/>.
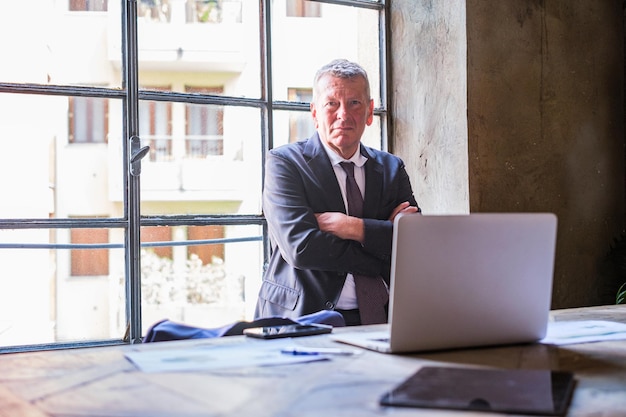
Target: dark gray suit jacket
<point x="308" y="267"/>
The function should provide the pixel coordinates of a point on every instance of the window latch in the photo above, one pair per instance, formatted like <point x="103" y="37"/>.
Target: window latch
<point x="136" y="155"/>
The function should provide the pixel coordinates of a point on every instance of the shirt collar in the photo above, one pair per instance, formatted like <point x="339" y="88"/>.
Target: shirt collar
<point x="358" y="159"/>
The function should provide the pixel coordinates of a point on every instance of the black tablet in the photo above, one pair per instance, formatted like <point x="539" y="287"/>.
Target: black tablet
<point x="519" y="391"/>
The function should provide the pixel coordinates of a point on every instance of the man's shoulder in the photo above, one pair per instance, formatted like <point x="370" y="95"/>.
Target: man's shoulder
<point x="308" y="146"/>
<point x="382" y="157"/>
<point x="290" y="147"/>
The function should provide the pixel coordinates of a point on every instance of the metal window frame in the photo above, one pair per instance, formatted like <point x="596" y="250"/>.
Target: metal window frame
<point x="132" y="221"/>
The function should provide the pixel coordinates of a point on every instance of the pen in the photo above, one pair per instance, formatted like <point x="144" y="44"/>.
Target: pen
<point x="316" y="351"/>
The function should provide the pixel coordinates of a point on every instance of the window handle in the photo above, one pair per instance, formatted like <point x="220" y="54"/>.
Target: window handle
<point x="136" y="155"/>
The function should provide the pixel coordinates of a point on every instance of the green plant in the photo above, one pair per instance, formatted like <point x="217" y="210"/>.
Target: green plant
<point x="620" y="298"/>
<point x="616" y="263"/>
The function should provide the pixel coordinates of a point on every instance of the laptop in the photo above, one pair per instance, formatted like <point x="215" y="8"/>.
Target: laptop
<point x="461" y="281"/>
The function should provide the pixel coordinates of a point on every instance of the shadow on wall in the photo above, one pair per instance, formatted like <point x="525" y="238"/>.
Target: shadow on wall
<point x="614" y="272"/>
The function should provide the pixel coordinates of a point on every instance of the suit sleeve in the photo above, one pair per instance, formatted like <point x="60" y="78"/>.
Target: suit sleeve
<point x="289" y="198"/>
<point x="379" y="231"/>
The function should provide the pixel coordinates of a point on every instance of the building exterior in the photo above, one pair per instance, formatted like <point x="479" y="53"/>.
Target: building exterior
<point x="62" y="155"/>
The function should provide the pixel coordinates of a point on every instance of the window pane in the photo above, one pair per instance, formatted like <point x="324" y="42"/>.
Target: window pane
<point x="302" y="8"/>
<point x="213" y="163"/>
<point x="210" y="283"/>
<point x="201" y="42"/>
<point x="49" y="175"/>
<point x="295" y="67"/>
<point x="194" y="11"/>
<point x="41" y="299"/>
<point x="66" y="284"/>
<point x="88" y="5"/>
<point x="67" y="47"/>
<point x="204" y="132"/>
<point x="372" y="135"/>
<point x="93" y="261"/>
<point x="292" y="126"/>
<point x="88" y="120"/>
<point x="155" y="128"/>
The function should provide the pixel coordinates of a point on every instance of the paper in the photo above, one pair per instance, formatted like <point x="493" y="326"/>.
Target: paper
<point x="214" y="357"/>
<point x="583" y="331"/>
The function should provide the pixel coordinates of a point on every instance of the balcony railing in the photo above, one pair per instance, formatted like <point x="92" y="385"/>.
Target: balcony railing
<point x="193" y="11"/>
<point x="196" y="147"/>
<point x="198" y="163"/>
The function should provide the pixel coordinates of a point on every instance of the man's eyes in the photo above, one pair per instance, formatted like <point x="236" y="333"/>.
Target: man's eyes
<point x="352" y="103"/>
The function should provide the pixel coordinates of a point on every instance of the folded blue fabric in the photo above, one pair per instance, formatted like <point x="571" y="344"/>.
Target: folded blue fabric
<point x="166" y="329"/>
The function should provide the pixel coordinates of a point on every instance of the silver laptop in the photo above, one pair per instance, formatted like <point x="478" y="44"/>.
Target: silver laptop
<point x="461" y="281"/>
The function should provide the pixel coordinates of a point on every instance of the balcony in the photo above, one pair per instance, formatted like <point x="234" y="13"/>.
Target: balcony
<point x="200" y="171"/>
<point x="188" y="35"/>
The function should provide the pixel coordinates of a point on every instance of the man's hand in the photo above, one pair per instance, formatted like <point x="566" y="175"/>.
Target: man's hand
<point x="348" y="227"/>
<point x="341" y="225"/>
<point x="402" y="208"/>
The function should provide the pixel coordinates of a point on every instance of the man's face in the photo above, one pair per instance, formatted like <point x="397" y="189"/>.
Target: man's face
<point x="341" y="111"/>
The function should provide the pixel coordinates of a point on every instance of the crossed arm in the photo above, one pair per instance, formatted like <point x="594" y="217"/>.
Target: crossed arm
<point x="352" y="228"/>
<point x="322" y="239"/>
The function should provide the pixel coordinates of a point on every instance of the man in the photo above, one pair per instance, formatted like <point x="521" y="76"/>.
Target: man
<point x="321" y="256"/>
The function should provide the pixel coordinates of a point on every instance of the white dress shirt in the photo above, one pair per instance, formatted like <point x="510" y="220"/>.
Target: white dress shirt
<point x="347" y="299"/>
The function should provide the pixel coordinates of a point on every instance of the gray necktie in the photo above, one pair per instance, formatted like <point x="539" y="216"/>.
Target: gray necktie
<point x="371" y="292"/>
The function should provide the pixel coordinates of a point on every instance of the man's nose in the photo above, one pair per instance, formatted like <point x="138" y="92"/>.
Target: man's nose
<point x="342" y="111"/>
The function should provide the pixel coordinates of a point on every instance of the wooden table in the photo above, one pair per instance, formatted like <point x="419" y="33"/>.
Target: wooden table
<point x="101" y="382"/>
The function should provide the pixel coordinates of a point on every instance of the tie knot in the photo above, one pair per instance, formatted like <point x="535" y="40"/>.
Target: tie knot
<point x="348" y="167"/>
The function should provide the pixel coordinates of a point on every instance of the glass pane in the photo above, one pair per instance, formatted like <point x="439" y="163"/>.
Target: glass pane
<point x="68" y="163"/>
<point x="295" y="67"/>
<point x="209" y="283"/>
<point x="372" y="135"/>
<point x="204" y="159"/>
<point x="200" y="43"/>
<point x="52" y="295"/>
<point x="74" y="43"/>
<point x="291" y="126"/>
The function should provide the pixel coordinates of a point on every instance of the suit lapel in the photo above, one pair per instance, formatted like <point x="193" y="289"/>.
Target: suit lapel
<point x="324" y="175"/>
<point x="373" y="185"/>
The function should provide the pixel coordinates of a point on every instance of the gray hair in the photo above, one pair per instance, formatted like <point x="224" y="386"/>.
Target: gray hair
<point x="341" y="68"/>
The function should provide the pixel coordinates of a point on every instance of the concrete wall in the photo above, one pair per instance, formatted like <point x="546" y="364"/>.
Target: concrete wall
<point x="428" y="100"/>
<point x="544" y="119"/>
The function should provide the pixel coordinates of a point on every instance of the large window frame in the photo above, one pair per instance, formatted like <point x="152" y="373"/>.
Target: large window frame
<point x="130" y="94"/>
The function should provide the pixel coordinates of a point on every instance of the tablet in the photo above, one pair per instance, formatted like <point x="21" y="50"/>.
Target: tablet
<point x="518" y="391"/>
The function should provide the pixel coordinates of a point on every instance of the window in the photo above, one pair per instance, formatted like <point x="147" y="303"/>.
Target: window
<point x="104" y="240"/>
<point x="303" y="8"/>
<point x="204" y="128"/>
<point x="193" y="11"/>
<point x="300" y="125"/>
<point x="88" y="5"/>
<point x="86" y="262"/>
<point x="88" y="120"/>
<point x="154" y="10"/>
<point x="155" y="127"/>
<point x="206" y="253"/>
<point x="158" y="234"/>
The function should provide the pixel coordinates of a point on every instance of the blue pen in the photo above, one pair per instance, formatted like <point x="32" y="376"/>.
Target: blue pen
<point x="301" y="350"/>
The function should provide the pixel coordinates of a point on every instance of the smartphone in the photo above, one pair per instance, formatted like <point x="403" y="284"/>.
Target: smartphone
<point x="287" y="330"/>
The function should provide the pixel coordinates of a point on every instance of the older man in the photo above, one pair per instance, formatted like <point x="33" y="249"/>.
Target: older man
<point x="329" y="202"/>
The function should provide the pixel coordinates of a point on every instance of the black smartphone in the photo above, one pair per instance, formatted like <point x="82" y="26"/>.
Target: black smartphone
<point x="287" y="330"/>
